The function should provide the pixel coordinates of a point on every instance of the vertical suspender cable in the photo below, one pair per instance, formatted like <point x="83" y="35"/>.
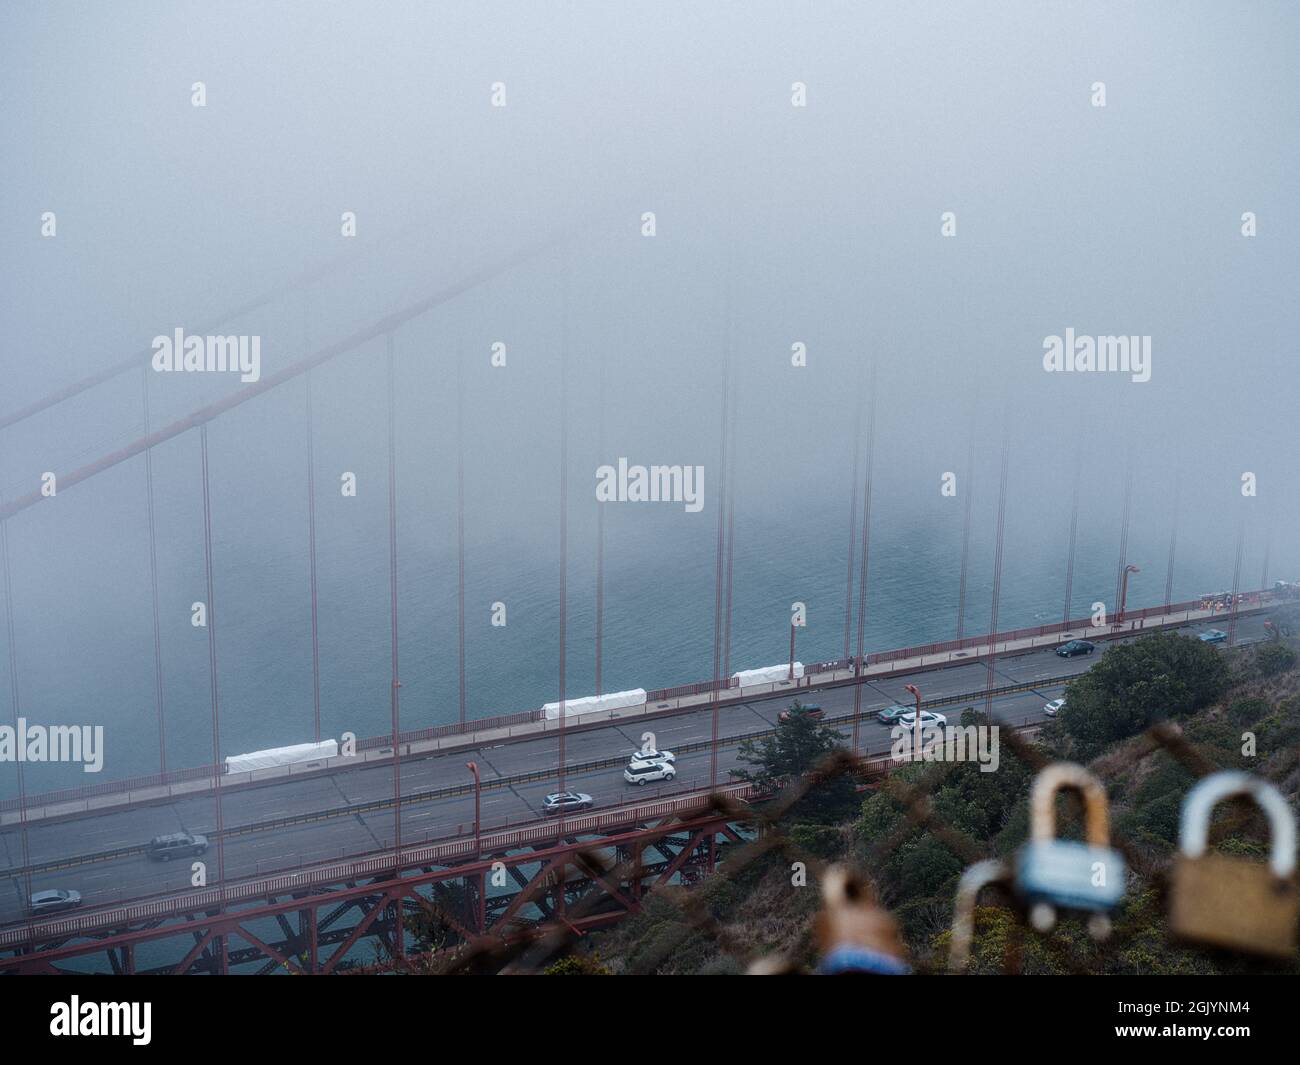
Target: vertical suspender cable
<point x="399" y="932"/>
<point x="853" y="514"/>
<point x="1236" y="580"/>
<point x="731" y="533"/>
<point x="460" y="524"/>
<point x="728" y="502"/>
<point x="564" y="524"/>
<point x="997" y="569"/>
<point x="1123" y="535"/>
<point x="311" y="557"/>
<point x="969" y="493"/>
<point x="1268" y="547"/>
<point x="153" y="584"/>
<point x="860" y="664"/>
<point x="12" y="637"/>
<point x="392" y="600"/>
<point x="600" y="533"/>
<point x="1173" y="541"/>
<point x="212" y="677"/>
<point x="311" y="522"/>
<point x="719" y="561"/>
<point x="1067" y="612"/>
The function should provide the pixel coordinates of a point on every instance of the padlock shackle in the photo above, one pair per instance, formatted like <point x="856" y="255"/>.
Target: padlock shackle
<point x="974" y="880"/>
<point x="1042" y="802"/>
<point x="1199" y="803"/>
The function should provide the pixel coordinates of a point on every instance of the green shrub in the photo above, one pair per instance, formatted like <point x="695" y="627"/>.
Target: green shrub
<point x="1248" y="711"/>
<point x="1274" y="658"/>
<point x="1163" y="675"/>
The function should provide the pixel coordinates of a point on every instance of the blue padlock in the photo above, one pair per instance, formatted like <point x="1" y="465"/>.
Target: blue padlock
<point x="1051" y="873"/>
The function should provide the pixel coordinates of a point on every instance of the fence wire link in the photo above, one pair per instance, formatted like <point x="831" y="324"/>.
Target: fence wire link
<point x="537" y="947"/>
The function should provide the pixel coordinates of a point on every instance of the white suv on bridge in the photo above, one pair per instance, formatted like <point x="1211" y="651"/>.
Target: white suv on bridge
<point x="642" y="771"/>
<point x="651" y="756"/>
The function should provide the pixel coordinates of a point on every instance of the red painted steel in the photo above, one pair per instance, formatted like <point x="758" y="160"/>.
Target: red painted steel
<point x="859" y="660"/>
<point x="311" y="560"/>
<point x="388" y="864"/>
<point x="853" y="513"/>
<point x="248" y="392"/>
<point x="153" y="584"/>
<point x="719" y="562"/>
<point x="211" y="608"/>
<point x="392" y="595"/>
<point x="1173" y="541"/>
<point x="1236" y="581"/>
<point x="969" y="495"/>
<point x="460" y="533"/>
<point x="991" y="657"/>
<point x="141" y="360"/>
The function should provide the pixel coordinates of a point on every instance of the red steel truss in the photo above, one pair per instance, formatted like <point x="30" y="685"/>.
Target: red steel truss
<point x="360" y="915"/>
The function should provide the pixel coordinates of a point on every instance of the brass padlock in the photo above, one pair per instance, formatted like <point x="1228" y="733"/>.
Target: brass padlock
<point x="1229" y="902"/>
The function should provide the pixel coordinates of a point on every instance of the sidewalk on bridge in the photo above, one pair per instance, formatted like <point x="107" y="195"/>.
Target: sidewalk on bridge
<point x="471" y="740"/>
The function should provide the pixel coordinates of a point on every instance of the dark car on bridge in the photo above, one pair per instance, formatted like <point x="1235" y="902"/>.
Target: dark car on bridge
<point x="812" y="711"/>
<point x="1076" y="647"/>
<point x="564" y="801"/>
<point x="176" y="845"/>
<point x="890" y="714"/>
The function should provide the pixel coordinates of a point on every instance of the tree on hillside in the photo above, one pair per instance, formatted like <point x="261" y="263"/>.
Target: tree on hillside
<point x="917" y="872"/>
<point x="1160" y="676"/>
<point x="796" y="749"/>
<point x="1274" y="658"/>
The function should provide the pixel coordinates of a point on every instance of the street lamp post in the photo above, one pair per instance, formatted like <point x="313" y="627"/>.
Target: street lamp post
<point x="473" y="768"/>
<point x="916" y="725"/>
<point x="792" y="650"/>
<point x="1123" y="591"/>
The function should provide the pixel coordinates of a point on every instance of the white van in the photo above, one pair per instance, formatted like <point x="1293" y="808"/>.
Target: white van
<point x="642" y="772"/>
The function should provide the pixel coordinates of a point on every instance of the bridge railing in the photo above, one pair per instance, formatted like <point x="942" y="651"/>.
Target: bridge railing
<point x="1029" y="632"/>
<point x="108" y="787"/>
<point x="698" y="688"/>
<point x="371" y="743"/>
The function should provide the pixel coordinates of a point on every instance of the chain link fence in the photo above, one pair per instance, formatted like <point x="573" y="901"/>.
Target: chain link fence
<point x="848" y="907"/>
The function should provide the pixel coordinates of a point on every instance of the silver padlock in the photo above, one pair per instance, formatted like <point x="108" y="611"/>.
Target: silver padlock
<point x="1053" y="873"/>
<point x="974" y="880"/>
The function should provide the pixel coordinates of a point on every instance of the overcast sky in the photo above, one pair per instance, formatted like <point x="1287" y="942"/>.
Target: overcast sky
<point x="775" y="225"/>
